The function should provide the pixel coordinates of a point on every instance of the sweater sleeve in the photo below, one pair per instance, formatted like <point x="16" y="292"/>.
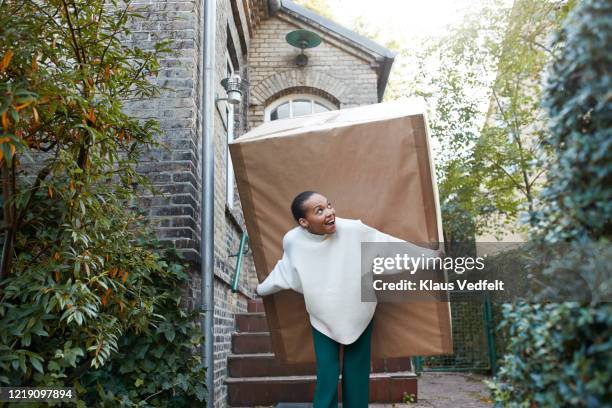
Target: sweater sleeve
<point x="283" y="276"/>
<point x="412" y="250"/>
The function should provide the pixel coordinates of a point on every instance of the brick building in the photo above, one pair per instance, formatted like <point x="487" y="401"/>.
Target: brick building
<point x="345" y="70"/>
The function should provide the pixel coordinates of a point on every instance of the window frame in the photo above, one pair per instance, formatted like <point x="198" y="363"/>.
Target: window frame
<point x="294" y="97"/>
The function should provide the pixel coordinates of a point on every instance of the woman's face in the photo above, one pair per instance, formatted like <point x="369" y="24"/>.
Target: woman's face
<point x="319" y="215"/>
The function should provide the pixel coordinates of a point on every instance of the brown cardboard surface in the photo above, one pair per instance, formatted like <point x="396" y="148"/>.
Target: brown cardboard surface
<point x="374" y="163"/>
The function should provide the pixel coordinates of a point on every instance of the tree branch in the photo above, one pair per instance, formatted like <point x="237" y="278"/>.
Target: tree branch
<point x="112" y="36"/>
<point x="75" y="44"/>
<point x="7" y="246"/>
<point x="516" y="183"/>
<point x="78" y="28"/>
<point x="42" y="175"/>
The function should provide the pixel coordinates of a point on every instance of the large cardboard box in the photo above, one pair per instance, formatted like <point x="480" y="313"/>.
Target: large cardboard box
<point x="374" y="163"/>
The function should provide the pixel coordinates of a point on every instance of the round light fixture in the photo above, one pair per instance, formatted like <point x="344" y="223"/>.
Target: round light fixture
<point x="302" y="39"/>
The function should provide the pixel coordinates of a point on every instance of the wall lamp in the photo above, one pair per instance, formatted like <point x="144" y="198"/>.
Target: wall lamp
<point x="302" y="39"/>
<point x="233" y="88"/>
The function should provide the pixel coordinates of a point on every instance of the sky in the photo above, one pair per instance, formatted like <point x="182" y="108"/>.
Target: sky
<point x="404" y="21"/>
<point x="407" y="19"/>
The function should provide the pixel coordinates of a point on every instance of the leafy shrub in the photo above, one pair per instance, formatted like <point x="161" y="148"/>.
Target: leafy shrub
<point x="88" y="298"/>
<point x="559" y="354"/>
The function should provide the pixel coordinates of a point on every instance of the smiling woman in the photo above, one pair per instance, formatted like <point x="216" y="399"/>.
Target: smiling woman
<point x="314" y="212"/>
<point x="315" y="263"/>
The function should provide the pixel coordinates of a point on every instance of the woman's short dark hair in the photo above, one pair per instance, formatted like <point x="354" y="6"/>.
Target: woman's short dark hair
<point x="297" y="205"/>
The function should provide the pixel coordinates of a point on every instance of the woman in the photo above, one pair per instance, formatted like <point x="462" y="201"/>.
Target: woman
<point x="322" y="261"/>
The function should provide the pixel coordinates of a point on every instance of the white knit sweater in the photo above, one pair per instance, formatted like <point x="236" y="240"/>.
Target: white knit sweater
<point x="326" y="269"/>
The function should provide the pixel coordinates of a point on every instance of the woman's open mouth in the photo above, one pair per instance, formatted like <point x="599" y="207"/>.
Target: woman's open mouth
<point x="331" y="222"/>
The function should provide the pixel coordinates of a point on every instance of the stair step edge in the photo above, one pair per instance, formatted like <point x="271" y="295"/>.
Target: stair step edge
<point x="255" y="355"/>
<point x="236" y="380"/>
<point x="250" y="314"/>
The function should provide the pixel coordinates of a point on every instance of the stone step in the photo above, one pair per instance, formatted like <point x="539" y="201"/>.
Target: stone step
<point x="267" y="365"/>
<point x="251" y="322"/>
<point x="293" y="405"/>
<point x="251" y="342"/>
<point x="255" y="306"/>
<point x="254" y="391"/>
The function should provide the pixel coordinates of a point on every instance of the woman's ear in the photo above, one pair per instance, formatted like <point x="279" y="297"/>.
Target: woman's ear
<point x="303" y="222"/>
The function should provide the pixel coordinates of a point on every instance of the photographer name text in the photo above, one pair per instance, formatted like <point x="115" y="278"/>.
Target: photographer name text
<point x="431" y="285"/>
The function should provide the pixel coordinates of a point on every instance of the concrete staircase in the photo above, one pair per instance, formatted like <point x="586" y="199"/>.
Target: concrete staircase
<point x="257" y="378"/>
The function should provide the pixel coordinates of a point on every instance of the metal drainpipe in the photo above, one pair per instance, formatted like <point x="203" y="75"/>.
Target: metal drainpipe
<point x="206" y="131"/>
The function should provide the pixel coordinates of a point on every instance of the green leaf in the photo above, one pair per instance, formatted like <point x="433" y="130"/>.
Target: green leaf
<point x="170" y="334"/>
<point x="36" y="363"/>
<point x="53" y="366"/>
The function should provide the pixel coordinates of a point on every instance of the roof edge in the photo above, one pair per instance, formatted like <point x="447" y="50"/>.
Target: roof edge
<point x="387" y="56"/>
<point x="383" y="76"/>
<point x="332" y="26"/>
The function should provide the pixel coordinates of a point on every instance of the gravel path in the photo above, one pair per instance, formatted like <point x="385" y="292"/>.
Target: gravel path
<point x="449" y="390"/>
<point x="439" y="390"/>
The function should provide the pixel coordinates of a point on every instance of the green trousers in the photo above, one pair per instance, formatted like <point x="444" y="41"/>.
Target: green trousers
<point x="355" y="370"/>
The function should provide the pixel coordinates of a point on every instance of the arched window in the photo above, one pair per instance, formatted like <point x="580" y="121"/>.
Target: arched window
<point x="292" y="106"/>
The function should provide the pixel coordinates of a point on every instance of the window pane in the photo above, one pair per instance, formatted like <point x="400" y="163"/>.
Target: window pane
<point x="302" y="107"/>
<point x="320" y="108"/>
<point x="282" y="112"/>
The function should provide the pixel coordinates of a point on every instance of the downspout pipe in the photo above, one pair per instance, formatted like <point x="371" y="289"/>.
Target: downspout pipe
<point x="207" y="201"/>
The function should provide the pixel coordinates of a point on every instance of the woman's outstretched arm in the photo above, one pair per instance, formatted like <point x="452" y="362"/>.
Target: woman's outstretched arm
<point x="283" y="276"/>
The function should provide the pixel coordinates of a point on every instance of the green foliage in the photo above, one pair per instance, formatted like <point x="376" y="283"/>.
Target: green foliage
<point x="559" y="353"/>
<point x="133" y="343"/>
<point x="576" y="204"/>
<point x="454" y="74"/>
<point x="515" y="126"/>
<point x="87" y="298"/>
<point x="161" y="365"/>
<point x="481" y="82"/>
<point x="578" y="103"/>
<point x="408" y="398"/>
<point x="456" y="188"/>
